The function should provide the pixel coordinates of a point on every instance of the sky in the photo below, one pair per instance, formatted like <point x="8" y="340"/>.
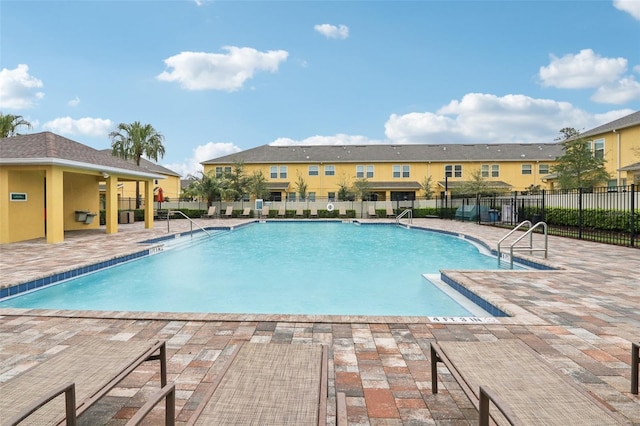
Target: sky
<point x="219" y="77"/>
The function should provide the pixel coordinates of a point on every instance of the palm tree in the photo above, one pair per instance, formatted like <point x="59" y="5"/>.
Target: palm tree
<point x="132" y="141"/>
<point x="9" y="123"/>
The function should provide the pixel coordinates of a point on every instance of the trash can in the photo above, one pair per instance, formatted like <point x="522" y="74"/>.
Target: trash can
<point x="126" y="217"/>
<point x="493" y="215"/>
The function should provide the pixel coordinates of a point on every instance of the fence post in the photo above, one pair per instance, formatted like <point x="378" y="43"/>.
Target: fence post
<point x="580" y="213"/>
<point x="632" y="221"/>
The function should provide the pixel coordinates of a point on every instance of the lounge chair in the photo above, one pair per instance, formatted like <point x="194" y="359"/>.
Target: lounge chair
<point x="246" y="212"/>
<point x="635" y="366"/>
<point x="92" y="367"/>
<point x="229" y="212"/>
<point x="299" y="212"/>
<point x="282" y="212"/>
<point x="265" y="211"/>
<point x="270" y="384"/>
<point x="390" y="212"/>
<point x="313" y="212"/>
<point x="372" y="212"/>
<point x="211" y="213"/>
<point x="342" y="211"/>
<point x="520" y="383"/>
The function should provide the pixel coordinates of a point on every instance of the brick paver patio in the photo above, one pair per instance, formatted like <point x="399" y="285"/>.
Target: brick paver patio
<point x="581" y="317"/>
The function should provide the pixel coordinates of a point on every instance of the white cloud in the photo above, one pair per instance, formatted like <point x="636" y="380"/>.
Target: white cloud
<point x="623" y="91"/>
<point x="191" y="166"/>
<point x="339" y="139"/>
<point x="74" y="102"/>
<point x="584" y="70"/>
<point x="217" y="71"/>
<point x="86" y="126"/>
<point x="632" y="7"/>
<point x="332" y="31"/>
<point x="18" y="89"/>
<point x="486" y="118"/>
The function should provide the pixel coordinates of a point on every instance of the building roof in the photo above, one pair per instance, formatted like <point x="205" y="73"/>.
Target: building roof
<point x="268" y="154"/>
<point x="149" y="165"/>
<point x="630" y="168"/>
<point x="621" y="123"/>
<point x="47" y="148"/>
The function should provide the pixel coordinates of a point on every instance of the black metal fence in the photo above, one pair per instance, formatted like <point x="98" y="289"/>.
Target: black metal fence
<point x="609" y="214"/>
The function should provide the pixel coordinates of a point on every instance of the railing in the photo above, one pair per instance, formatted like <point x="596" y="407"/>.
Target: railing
<point x="170" y="212"/>
<point x="407" y="212"/>
<point x="528" y="248"/>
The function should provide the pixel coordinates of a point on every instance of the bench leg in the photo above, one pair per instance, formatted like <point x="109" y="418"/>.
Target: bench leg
<point x="635" y="362"/>
<point x="435" y="358"/>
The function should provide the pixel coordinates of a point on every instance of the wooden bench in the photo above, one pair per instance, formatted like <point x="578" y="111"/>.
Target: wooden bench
<point x="517" y="381"/>
<point x="84" y="373"/>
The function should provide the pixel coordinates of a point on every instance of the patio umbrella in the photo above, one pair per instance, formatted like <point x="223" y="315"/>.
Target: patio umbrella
<point x="160" y="197"/>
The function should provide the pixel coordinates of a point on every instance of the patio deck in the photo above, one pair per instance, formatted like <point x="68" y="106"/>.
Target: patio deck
<point x="582" y="318"/>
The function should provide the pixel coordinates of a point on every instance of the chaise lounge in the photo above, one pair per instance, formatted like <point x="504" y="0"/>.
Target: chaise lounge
<point x="524" y="388"/>
<point x="84" y="372"/>
<point x="268" y="384"/>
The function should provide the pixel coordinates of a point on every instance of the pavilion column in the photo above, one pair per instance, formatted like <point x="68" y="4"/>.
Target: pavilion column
<point x="55" y="205"/>
<point x="111" y="216"/>
<point x="148" y="204"/>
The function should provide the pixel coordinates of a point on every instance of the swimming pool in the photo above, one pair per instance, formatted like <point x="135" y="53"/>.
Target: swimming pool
<point x="324" y="268"/>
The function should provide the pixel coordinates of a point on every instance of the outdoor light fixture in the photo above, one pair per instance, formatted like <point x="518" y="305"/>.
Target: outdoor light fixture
<point x="105" y="175"/>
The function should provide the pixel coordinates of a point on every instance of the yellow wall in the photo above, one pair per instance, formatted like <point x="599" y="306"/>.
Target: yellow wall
<point x="26" y="219"/>
<point x="621" y="148"/>
<point x="509" y="172"/>
<point x="80" y="193"/>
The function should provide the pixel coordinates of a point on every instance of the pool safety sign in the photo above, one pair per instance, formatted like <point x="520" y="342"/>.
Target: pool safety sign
<point x="464" y="320"/>
<point x="18" y="196"/>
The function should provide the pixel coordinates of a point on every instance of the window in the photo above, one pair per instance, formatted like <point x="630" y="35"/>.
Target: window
<point x="329" y="170"/>
<point x="221" y="171"/>
<point x="369" y="172"/>
<point x="396" y="171"/>
<point x="331" y="196"/>
<point x="453" y="170"/>
<point x="360" y="172"/>
<point x="273" y="172"/>
<point x="598" y="148"/>
<point x="526" y="169"/>
<point x="543" y="169"/>
<point x="312" y="196"/>
<point x="291" y="196"/>
<point x="490" y="170"/>
<point x="313" y="170"/>
<point x="283" y="172"/>
<point x="401" y="171"/>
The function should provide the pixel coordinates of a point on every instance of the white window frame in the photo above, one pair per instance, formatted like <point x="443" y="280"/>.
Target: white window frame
<point x="314" y="170"/>
<point x="526" y="169"/>
<point x="543" y="169"/>
<point x="598" y="148"/>
<point x="273" y="172"/>
<point x="329" y="170"/>
<point x="283" y="172"/>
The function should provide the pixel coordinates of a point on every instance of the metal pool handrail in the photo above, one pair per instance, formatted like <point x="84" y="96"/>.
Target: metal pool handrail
<point x="407" y="212"/>
<point x="170" y="212"/>
<point x="529" y="248"/>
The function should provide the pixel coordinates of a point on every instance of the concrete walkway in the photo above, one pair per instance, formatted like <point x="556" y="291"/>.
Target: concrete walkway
<point x="581" y="317"/>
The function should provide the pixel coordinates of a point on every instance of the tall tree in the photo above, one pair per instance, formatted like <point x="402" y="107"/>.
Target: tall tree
<point x="301" y="188"/>
<point x="206" y="186"/>
<point x="476" y="185"/>
<point x="235" y="184"/>
<point x="258" y="185"/>
<point x="578" y="167"/>
<point x="427" y="187"/>
<point x="9" y="124"/>
<point x="133" y="140"/>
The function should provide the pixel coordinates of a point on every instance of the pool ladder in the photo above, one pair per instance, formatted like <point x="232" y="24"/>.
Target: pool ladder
<point x="170" y="212"/>
<point x="529" y="247"/>
<point x="408" y="213"/>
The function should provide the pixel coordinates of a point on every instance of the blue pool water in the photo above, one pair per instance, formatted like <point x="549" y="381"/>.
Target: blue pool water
<point x="329" y="268"/>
